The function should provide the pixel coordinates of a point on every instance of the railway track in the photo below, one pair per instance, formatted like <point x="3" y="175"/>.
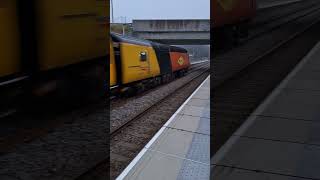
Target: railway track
<point x="98" y="172"/>
<point x="266" y="26"/>
<point x="147" y="110"/>
<point x="131" y="136"/>
<point x="273" y="19"/>
<point x="17" y="129"/>
<point x="236" y="97"/>
<point x="278" y="12"/>
<point x="127" y="108"/>
<point x="225" y="65"/>
<point x="58" y="148"/>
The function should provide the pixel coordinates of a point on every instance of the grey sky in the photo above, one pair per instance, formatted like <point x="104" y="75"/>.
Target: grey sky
<point x="161" y="9"/>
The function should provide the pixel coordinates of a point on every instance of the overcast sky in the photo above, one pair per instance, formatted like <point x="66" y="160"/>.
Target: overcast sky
<point x="160" y="9"/>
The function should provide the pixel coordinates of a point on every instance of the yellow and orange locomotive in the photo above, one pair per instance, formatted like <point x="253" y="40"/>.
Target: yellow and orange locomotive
<point x="136" y="64"/>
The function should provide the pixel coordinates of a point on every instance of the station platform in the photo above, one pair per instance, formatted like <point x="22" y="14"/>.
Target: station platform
<point x="281" y="139"/>
<point x="266" y="4"/>
<point x="181" y="148"/>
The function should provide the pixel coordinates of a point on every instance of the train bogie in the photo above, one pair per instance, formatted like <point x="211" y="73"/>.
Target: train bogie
<point x="9" y="43"/>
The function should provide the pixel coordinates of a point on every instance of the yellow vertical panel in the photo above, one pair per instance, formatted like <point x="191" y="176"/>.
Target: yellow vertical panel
<point x="70" y="32"/>
<point x="9" y="46"/>
<point x="113" y="71"/>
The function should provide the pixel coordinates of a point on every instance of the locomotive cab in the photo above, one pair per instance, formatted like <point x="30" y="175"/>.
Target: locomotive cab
<point x="137" y="64"/>
<point x="135" y="60"/>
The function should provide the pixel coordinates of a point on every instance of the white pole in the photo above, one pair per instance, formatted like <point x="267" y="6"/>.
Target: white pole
<point x="123" y="29"/>
<point x="112" y="17"/>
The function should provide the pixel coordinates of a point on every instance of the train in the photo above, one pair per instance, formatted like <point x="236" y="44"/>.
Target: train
<point x="137" y="64"/>
<point x="53" y="46"/>
<point x="230" y="20"/>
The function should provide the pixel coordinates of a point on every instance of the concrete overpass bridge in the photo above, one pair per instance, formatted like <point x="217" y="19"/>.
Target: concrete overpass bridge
<point x="178" y="32"/>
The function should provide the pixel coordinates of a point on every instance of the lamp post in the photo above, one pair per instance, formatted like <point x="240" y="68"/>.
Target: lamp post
<point x="123" y="25"/>
<point x="112" y="17"/>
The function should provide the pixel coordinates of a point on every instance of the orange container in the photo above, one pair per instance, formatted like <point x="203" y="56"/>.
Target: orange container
<point x="179" y="61"/>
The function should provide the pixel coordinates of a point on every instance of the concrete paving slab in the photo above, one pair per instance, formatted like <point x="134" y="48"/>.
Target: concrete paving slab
<point x="206" y="84"/>
<point x="280" y="129"/>
<point x="227" y="173"/>
<point x="184" y="144"/>
<point x="312" y="65"/>
<point x="199" y="103"/>
<point x="191" y="124"/>
<point x="307" y="74"/>
<point x="293" y="104"/>
<point x="312" y="58"/>
<point x="307" y="70"/>
<point x="306" y="79"/>
<point x="158" y="166"/>
<point x="202" y="94"/>
<point x="204" y="90"/>
<point x="196" y="111"/>
<point x="304" y="84"/>
<point x="289" y="159"/>
<point x="263" y="5"/>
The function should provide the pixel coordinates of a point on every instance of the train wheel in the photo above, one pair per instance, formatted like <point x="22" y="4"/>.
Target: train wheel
<point x="164" y="79"/>
<point x="128" y="92"/>
<point x="183" y="72"/>
<point x="157" y="81"/>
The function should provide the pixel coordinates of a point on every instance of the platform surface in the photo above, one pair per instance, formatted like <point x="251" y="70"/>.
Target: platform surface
<point x="281" y="139"/>
<point x="181" y="148"/>
<point x="273" y="3"/>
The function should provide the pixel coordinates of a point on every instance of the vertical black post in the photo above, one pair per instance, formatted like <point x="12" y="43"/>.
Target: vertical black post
<point x="28" y="36"/>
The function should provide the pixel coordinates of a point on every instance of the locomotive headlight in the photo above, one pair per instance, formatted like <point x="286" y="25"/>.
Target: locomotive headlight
<point x="143" y="56"/>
